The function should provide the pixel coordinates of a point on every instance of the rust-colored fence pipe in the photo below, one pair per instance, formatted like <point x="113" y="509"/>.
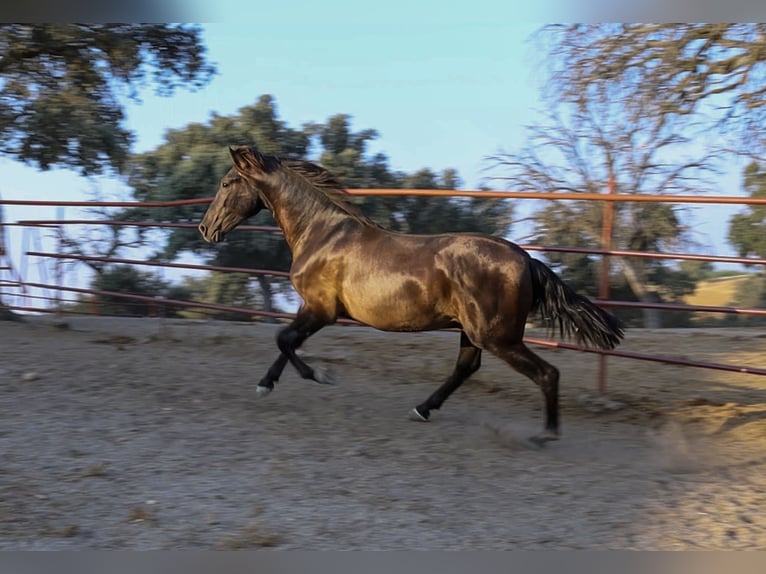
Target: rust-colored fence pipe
<point x="220" y="268"/>
<point x="272" y="228"/>
<point x="607" y="227"/>
<point x="113" y="223"/>
<point x="646" y="357"/>
<point x="93" y="305"/>
<point x="275" y="229"/>
<point x="277" y="315"/>
<point x="251" y="271"/>
<point x="75" y="203"/>
<point x="682" y="307"/>
<point x="568" y="196"/>
<point x="548" y="195"/>
<point x="172" y="302"/>
<point x="605" y="250"/>
<point x="161" y="300"/>
<point x="648" y="254"/>
<point x="134" y="300"/>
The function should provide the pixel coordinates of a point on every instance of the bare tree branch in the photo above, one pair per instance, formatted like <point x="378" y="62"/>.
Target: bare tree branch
<point x="670" y="71"/>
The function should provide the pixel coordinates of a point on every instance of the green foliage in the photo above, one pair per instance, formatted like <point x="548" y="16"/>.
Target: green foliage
<point x="345" y="154"/>
<point x="129" y="280"/>
<point x="701" y="270"/>
<point x="747" y="233"/>
<point x="231" y="289"/>
<point x="747" y="230"/>
<point x="638" y="227"/>
<point x="191" y="161"/>
<point x="60" y="87"/>
<point x="629" y="102"/>
<point x="752" y="293"/>
<point x="190" y="164"/>
<point x="594" y="136"/>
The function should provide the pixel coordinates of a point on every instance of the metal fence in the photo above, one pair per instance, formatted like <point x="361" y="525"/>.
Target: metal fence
<point x="49" y="295"/>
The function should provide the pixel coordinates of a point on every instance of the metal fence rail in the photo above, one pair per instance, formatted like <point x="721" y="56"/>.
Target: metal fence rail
<point x="605" y="251"/>
<point x="531" y="340"/>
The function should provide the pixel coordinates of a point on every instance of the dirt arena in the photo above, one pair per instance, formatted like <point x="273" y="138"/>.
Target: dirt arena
<point x="147" y="434"/>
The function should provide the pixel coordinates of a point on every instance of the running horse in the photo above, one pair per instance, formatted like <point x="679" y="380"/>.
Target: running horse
<point x="346" y="266"/>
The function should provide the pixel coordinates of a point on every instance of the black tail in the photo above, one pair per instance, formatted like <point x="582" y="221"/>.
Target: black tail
<point x="577" y="316"/>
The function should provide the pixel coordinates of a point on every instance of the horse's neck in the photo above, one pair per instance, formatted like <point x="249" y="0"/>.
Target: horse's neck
<point x="300" y="219"/>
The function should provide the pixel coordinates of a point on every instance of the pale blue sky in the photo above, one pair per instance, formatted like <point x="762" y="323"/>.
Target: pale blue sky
<point x="446" y="92"/>
<point x="444" y="88"/>
<point x="445" y="85"/>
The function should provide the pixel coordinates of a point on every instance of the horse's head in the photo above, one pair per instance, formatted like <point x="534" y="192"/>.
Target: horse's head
<point x="237" y="197"/>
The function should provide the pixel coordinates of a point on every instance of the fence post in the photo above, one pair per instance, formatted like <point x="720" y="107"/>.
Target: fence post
<point x="59" y="262"/>
<point x="607" y="225"/>
<point x="5" y="265"/>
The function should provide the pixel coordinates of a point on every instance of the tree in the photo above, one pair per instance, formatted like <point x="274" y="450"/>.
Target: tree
<point x="61" y="87"/>
<point x="583" y="147"/>
<point x="666" y="81"/>
<point x="345" y="154"/>
<point x="129" y="280"/>
<point x="747" y="230"/>
<point x="747" y="233"/>
<point x="671" y="71"/>
<point x="191" y="161"/>
<point x="100" y="242"/>
<point x="232" y="289"/>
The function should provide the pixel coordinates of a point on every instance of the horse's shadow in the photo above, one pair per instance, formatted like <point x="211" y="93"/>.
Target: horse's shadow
<point x="740" y="419"/>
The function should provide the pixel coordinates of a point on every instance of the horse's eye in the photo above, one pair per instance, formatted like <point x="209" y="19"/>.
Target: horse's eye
<point x="225" y="184"/>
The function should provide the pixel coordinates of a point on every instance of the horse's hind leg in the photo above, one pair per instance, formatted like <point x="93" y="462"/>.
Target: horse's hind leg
<point x="266" y="384"/>
<point x="545" y="375"/>
<point x="468" y="362"/>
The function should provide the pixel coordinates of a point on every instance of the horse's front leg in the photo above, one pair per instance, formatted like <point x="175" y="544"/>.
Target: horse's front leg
<point x="289" y="340"/>
<point x="293" y="336"/>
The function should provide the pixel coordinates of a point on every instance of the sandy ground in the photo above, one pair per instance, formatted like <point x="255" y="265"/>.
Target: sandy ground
<point x="147" y="434"/>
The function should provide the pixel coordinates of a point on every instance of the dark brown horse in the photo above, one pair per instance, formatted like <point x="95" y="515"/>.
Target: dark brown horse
<point x="345" y="265"/>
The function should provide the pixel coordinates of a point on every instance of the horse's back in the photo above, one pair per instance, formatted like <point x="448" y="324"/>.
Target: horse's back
<point x="396" y="281"/>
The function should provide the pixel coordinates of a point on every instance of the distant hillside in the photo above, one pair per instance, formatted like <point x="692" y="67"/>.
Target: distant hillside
<point x="718" y="292"/>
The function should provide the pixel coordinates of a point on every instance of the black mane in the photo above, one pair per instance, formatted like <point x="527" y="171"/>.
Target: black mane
<point x="327" y="189"/>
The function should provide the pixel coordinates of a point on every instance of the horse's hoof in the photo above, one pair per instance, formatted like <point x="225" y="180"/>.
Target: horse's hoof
<point x="324" y="377"/>
<point x="540" y="440"/>
<point x="261" y="391"/>
<point x="416" y="416"/>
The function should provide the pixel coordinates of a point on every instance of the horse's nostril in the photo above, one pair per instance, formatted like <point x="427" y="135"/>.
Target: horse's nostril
<point x="202" y="229"/>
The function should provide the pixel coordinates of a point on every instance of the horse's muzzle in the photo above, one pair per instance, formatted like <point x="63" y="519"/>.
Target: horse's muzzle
<point x="211" y="237"/>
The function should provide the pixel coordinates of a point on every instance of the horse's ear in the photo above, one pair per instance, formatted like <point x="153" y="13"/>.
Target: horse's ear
<point x="247" y="160"/>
